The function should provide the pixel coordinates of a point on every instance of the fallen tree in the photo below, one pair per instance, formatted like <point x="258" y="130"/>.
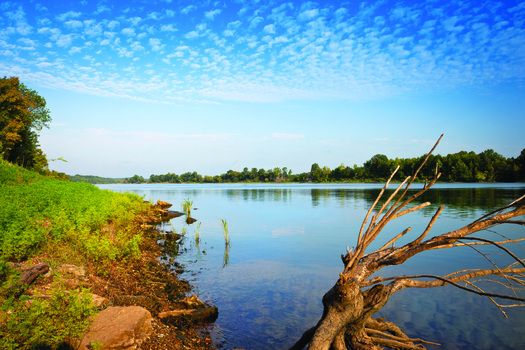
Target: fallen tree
<point x="347" y="321"/>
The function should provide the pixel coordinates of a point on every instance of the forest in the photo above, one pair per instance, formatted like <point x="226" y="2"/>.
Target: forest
<point x="487" y="166"/>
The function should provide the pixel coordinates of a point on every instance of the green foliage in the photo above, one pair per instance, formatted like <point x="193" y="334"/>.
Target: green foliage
<point x="23" y="114"/>
<point x="135" y="179"/>
<point x="487" y="166"/>
<point x="45" y="322"/>
<point x="37" y="210"/>
<point x="94" y="179"/>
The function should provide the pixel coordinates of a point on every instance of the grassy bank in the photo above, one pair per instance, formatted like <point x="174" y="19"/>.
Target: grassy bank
<point x="61" y="222"/>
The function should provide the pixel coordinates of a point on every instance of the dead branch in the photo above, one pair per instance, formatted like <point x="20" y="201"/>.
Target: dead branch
<point x="409" y="282"/>
<point x="349" y="304"/>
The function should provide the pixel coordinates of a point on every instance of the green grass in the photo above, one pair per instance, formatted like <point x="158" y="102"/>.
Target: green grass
<point x="62" y="222"/>
<point x="38" y="211"/>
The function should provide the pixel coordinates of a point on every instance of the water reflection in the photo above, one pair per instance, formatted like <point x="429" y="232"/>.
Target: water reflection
<point x="288" y="239"/>
<point x="226" y="256"/>
<point x="464" y="199"/>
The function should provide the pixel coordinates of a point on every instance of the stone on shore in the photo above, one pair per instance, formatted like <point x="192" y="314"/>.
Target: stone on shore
<point x="119" y="328"/>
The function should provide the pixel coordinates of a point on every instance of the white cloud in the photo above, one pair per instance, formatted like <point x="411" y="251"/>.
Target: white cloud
<point x="70" y="14"/>
<point x="113" y="24"/>
<point x="153" y="15"/>
<point x="270" y="29"/>
<point x="74" y="49"/>
<point x="128" y="31"/>
<point x="73" y="24"/>
<point x="192" y="35"/>
<point x="188" y="9"/>
<point x="168" y="28"/>
<point x="308" y="15"/>
<point x="211" y="14"/>
<point x="101" y="8"/>
<point x="449" y="24"/>
<point x="134" y="20"/>
<point x="254" y="22"/>
<point x="156" y="44"/>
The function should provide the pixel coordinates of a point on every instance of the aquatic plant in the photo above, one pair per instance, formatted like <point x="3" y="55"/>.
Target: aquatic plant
<point x="186" y="207"/>
<point x="226" y="256"/>
<point x="197" y="237"/>
<point x="225" y="232"/>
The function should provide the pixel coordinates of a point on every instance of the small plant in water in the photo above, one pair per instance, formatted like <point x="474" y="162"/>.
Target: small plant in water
<point x="226" y="233"/>
<point x="186" y="207"/>
<point x="197" y="236"/>
<point x="226" y="256"/>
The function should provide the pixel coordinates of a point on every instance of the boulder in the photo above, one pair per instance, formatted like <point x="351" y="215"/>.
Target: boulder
<point x="119" y="328"/>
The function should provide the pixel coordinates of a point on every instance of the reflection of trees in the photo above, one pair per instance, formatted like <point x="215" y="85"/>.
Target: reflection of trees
<point x="465" y="201"/>
<point x="260" y="195"/>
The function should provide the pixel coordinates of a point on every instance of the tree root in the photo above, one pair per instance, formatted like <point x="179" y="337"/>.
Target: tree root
<point x="397" y="339"/>
<point x="305" y="339"/>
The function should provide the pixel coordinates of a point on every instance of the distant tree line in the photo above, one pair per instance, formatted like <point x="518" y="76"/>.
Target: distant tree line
<point x="487" y="166"/>
<point x="95" y="179"/>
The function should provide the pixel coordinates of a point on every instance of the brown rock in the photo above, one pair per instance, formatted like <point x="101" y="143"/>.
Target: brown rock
<point x="119" y="328"/>
<point x="163" y="205"/>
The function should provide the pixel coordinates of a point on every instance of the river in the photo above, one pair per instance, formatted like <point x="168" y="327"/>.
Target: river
<point x="286" y="243"/>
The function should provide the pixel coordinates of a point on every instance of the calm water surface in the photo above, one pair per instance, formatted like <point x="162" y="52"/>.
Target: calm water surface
<point x="285" y="254"/>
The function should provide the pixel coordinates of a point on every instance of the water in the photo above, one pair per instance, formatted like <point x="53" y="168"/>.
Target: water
<point x="285" y="254"/>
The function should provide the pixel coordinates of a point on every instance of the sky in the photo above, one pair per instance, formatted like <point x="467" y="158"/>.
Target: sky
<point x="151" y="87"/>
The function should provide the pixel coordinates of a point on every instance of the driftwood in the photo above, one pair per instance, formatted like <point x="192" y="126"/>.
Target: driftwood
<point x="347" y="321"/>
<point x="27" y="277"/>
<point x="208" y="314"/>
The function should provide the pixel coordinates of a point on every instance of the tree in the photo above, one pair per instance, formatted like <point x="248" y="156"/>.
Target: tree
<point x="23" y="114"/>
<point x="347" y="321"/>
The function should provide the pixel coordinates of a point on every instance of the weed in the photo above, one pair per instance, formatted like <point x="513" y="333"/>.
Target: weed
<point x="225" y="232"/>
<point x="197" y="236"/>
<point x="186" y="207"/>
<point x="45" y="322"/>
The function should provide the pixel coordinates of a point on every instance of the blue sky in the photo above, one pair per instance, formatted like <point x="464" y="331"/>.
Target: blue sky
<point x="150" y="87"/>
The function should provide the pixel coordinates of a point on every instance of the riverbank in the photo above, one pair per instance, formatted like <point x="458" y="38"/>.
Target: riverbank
<point x="94" y="250"/>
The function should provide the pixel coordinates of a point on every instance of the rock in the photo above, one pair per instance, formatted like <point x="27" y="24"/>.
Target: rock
<point x="119" y="328"/>
<point x="168" y="214"/>
<point x="163" y="205"/>
<point x="72" y="270"/>
<point x="99" y="301"/>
